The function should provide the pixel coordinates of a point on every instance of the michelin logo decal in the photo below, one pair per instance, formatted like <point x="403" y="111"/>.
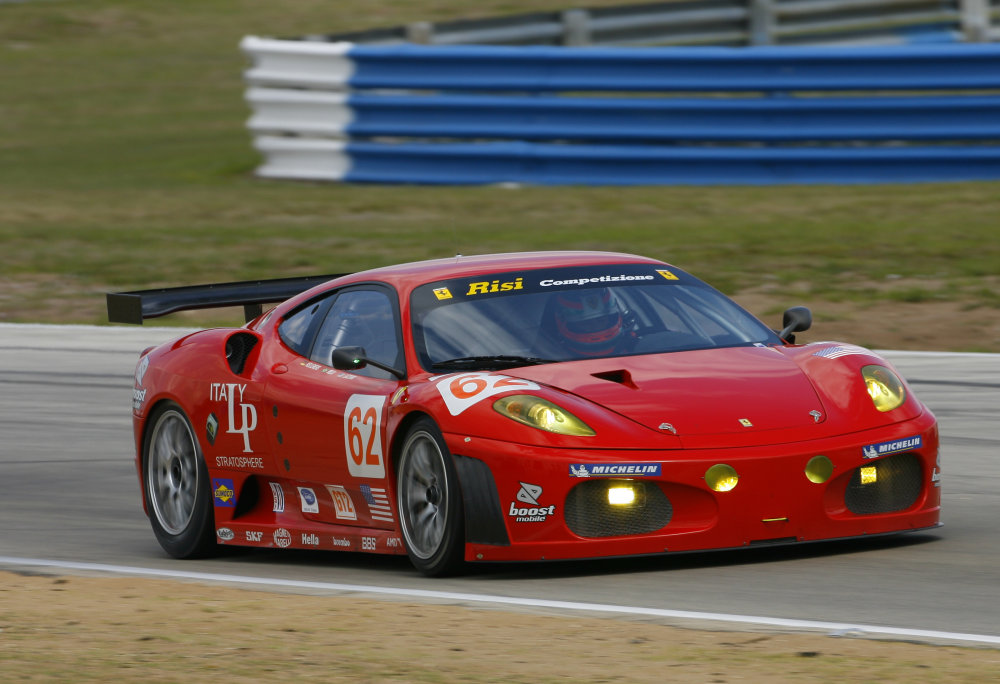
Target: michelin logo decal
<point x="604" y="469"/>
<point x="893" y="447"/>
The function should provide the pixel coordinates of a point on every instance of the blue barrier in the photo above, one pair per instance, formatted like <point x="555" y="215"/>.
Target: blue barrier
<point x="552" y="69"/>
<point x="665" y="120"/>
<point x="467" y="164"/>
<point x="545" y="115"/>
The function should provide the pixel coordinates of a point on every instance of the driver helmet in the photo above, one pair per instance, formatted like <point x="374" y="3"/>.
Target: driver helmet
<point x="590" y="321"/>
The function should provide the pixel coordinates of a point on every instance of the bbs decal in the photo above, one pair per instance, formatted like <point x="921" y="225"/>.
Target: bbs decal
<point x="363" y="435"/>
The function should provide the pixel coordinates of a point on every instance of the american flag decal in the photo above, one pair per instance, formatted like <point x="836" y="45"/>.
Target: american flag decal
<point x="840" y="350"/>
<point x="378" y="502"/>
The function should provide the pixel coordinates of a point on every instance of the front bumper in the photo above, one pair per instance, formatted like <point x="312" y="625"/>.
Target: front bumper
<point x="544" y="505"/>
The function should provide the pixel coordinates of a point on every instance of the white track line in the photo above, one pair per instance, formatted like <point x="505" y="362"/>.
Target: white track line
<point x="832" y="628"/>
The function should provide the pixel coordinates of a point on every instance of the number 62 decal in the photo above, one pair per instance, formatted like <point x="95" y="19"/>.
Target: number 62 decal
<point x="363" y="435"/>
<point x="467" y="389"/>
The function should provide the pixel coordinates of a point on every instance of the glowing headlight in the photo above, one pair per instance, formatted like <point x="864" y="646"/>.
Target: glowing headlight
<point x="885" y="389"/>
<point x="869" y="475"/>
<point x="721" y="477"/>
<point x="541" y="414"/>
<point x="620" y="495"/>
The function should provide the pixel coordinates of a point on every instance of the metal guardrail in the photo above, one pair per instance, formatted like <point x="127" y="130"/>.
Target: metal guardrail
<point x="713" y="22"/>
<point x="388" y="111"/>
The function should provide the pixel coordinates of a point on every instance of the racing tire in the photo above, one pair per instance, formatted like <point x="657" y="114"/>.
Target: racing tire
<point x="429" y="500"/>
<point x="176" y="484"/>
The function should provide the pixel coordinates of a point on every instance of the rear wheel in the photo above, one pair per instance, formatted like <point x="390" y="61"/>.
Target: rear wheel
<point x="430" y="501"/>
<point x="178" y="493"/>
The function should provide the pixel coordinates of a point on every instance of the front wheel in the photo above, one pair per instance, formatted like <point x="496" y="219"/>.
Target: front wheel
<point x="178" y="493"/>
<point x="430" y="501"/>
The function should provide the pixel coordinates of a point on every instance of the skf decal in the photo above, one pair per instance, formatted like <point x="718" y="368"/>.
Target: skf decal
<point x="893" y="447"/>
<point x="226" y="391"/>
<point x="378" y="503"/>
<point x="615" y="469"/>
<point x="667" y="274"/>
<point x="442" y="293"/>
<point x="224" y="492"/>
<point x="363" y="435"/>
<point x="308" y="499"/>
<point x="462" y="391"/>
<point x="491" y="286"/>
<point x="277" y="498"/>
<point x="529" y="494"/>
<point x="343" y="506"/>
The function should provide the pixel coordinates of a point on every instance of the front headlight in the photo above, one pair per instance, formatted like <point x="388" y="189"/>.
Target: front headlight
<point x="884" y="387"/>
<point x="541" y="414"/>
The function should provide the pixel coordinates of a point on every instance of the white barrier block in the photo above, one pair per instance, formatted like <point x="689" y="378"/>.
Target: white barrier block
<point x="298" y="63"/>
<point x="302" y="158"/>
<point x="305" y="112"/>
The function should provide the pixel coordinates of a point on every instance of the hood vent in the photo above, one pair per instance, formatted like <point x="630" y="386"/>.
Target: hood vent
<point x="620" y="376"/>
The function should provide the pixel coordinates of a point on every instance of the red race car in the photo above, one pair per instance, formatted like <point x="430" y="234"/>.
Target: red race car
<point x="517" y="407"/>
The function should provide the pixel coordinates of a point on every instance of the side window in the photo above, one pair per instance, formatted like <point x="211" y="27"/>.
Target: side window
<point x="294" y="330"/>
<point x="361" y="318"/>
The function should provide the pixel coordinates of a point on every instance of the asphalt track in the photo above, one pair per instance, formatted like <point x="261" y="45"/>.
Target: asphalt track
<point x="70" y="496"/>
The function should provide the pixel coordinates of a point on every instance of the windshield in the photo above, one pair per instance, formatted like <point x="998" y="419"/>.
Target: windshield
<point x="529" y="317"/>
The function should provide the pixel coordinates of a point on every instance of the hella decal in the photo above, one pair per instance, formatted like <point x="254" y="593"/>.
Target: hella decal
<point x="893" y="447"/>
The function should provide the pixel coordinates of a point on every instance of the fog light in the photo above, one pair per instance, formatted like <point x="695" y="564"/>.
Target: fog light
<point x="819" y="469"/>
<point x="621" y="496"/>
<point x="721" y="477"/>
<point x="868" y="475"/>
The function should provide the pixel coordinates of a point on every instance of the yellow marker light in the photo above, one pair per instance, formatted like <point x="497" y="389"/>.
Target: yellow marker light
<point x="819" y="469"/>
<point x="621" y="496"/>
<point x="541" y="414"/>
<point x="721" y="477"/>
<point x="884" y="387"/>
<point x="869" y="475"/>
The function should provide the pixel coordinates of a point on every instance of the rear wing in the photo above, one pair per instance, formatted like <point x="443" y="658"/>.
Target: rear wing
<point x="137" y="306"/>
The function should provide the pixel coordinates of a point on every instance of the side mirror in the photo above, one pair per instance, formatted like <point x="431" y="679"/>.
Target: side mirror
<point x="348" y="358"/>
<point x="354" y="358"/>
<point x="796" y="319"/>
